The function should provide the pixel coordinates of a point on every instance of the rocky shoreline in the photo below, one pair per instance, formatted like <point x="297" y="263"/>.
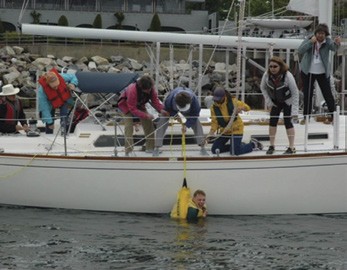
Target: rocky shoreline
<point x="21" y="68"/>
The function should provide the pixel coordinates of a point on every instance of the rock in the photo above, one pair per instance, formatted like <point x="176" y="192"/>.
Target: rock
<point x="18" y="50"/>
<point x="92" y="66"/>
<point x="100" y="60"/>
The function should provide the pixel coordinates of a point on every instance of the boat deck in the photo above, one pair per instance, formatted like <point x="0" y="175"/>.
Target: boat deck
<point x="89" y="139"/>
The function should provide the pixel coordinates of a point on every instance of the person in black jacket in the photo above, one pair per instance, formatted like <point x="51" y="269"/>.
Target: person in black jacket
<point x="11" y="111"/>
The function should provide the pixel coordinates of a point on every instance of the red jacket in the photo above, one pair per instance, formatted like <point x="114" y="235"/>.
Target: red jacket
<point x="10" y="114"/>
<point x="129" y="101"/>
<point x="56" y="97"/>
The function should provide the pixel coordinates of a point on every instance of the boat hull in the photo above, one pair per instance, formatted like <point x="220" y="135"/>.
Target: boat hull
<point x="234" y="186"/>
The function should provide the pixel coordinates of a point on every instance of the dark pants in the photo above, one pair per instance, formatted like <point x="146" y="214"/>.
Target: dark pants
<point x="235" y="144"/>
<point x="287" y="115"/>
<point x="324" y="84"/>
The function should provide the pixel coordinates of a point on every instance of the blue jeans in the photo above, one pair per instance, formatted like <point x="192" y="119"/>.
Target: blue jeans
<point x="236" y="146"/>
<point x="63" y="110"/>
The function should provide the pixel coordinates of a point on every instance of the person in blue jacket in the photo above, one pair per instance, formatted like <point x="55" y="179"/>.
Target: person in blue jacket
<point x="182" y="100"/>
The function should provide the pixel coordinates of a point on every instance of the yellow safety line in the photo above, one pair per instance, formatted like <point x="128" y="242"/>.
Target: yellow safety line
<point x="18" y="170"/>
<point x="184" y="153"/>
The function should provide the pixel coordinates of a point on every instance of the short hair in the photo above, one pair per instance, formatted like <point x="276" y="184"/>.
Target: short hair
<point x="199" y="192"/>
<point x="145" y="82"/>
<point x="322" y="27"/>
<point x="283" y="66"/>
<point x="182" y="99"/>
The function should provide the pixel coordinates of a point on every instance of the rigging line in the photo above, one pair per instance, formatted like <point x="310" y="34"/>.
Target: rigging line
<point x="238" y="61"/>
<point x="215" y="47"/>
<point x="24" y="7"/>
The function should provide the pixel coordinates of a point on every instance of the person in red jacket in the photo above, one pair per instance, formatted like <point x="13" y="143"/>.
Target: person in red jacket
<point x="54" y="92"/>
<point x="132" y="103"/>
<point x="11" y="111"/>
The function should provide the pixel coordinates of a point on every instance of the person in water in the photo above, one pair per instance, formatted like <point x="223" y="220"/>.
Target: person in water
<point x="197" y="206"/>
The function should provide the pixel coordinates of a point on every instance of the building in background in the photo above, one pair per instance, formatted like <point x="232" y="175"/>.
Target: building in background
<point x="137" y="14"/>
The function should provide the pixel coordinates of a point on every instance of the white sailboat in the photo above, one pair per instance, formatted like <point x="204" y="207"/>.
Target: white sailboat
<point x="85" y="171"/>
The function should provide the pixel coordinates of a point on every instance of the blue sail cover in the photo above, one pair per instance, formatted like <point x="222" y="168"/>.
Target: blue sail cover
<point x="98" y="82"/>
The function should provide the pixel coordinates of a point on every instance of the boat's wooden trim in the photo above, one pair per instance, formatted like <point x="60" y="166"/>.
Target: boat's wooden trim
<point x="280" y="156"/>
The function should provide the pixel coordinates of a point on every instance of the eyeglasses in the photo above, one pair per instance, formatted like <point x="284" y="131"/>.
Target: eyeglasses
<point x="273" y="66"/>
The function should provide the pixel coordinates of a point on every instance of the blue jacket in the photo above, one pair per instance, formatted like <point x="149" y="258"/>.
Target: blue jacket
<point x="192" y="114"/>
<point x="306" y="49"/>
<point x="45" y="106"/>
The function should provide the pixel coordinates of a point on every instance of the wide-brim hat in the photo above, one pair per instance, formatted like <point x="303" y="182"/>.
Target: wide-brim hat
<point x="9" y="90"/>
<point x="184" y="108"/>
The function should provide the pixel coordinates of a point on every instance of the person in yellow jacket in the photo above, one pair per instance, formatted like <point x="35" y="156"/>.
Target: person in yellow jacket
<point x="197" y="206"/>
<point x="222" y="111"/>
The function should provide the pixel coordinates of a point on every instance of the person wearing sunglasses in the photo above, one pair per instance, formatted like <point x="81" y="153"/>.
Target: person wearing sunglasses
<point x="315" y="66"/>
<point x="280" y="93"/>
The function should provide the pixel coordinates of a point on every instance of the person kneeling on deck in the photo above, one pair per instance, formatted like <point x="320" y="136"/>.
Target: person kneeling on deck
<point x="222" y="113"/>
<point x="182" y="100"/>
<point x="197" y="206"/>
<point x="54" y="92"/>
<point x="11" y="111"/>
<point x="132" y="104"/>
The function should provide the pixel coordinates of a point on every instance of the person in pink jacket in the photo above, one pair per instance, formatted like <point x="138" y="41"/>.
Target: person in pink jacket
<point x="132" y="103"/>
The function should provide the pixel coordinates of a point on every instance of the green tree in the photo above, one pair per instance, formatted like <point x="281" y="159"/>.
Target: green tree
<point x="155" y="23"/>
<point x="120" y="18"/>
<point x="97" y="22"/>
<point x="63" y="21"/>
<point x="36" y="17"/>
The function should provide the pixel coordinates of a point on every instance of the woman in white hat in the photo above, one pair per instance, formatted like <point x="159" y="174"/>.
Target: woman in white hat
<point x="11" y="111"/>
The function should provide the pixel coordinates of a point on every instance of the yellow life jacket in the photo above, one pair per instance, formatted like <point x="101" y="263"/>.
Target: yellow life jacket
<point x="180" y="208"/>
<point x="193" y="205"/>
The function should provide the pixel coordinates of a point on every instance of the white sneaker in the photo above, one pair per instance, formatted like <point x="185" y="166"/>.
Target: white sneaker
<point x="130" y="154"/>
<point x="203" y="152"/>
<point x="257" y="145"/>
<point x="156" y="152"/>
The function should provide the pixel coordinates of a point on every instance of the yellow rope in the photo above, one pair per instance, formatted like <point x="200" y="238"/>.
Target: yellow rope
<point x="15" y="172"/>
<point x="184" y="153"/>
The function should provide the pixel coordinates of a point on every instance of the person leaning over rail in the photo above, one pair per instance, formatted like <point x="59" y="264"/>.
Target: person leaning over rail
<point x="53" y="93"/>
<point x="11" y="111"/>
<point x="222" y="112"/>
<point x="197" y="206"/>
<point x="281" y="94"/>
<point x="181" y="100"/>
<point x="315" y="66"/>
<point x="132" y="104"/>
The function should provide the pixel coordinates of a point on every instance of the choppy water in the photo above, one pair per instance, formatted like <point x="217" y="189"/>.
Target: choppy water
<point x="33" y="238"/>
